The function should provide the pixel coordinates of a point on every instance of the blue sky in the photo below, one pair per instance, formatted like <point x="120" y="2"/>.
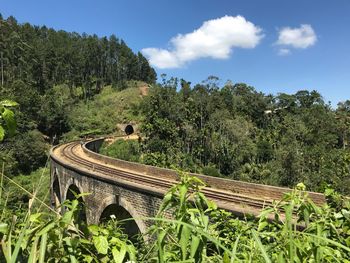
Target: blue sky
<point x="273" y="45"/>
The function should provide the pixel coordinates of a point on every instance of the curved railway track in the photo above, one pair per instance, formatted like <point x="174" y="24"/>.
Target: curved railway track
<point x="72" y="153"/>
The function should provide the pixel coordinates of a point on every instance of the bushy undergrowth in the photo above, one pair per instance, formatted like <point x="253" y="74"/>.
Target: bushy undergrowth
<point x="107" y="109"/>
<point x="17" y="192"/>
<point x="188" y="228"/>
<point x="127" y="150"/>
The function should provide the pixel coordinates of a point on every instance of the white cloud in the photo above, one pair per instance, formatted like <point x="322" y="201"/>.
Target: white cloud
<point x="284" y="51"/>
<point x="161" y="58"/>
<point x="215" y="39"/>
<point x="302" y="37"/>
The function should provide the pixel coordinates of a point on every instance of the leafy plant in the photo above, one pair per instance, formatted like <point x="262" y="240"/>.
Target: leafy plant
<point x="188" y="228"/>
<point x="50" y="238"/>
<point x="127" y="150"/>
<point x="7" y="119"/>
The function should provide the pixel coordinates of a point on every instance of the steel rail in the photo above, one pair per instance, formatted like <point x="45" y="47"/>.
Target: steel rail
<point x="68" y="151"/>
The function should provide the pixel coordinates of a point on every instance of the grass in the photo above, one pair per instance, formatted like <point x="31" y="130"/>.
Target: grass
<point x="107" y="109"/>
<point x="197" y="232"/>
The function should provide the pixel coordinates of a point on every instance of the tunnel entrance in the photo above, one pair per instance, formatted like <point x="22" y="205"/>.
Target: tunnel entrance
<point x="80" y="218"/>
<point x="129" y="129"/>
<point x="119" y="213"/>
<point x="56" y="193"/>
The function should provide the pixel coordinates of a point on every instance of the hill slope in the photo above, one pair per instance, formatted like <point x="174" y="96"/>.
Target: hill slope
<point x="107" y="109"/>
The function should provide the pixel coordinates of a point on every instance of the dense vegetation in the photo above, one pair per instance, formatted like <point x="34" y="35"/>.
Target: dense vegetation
<point x="68" y="85"/>
<point x="199" y="232"/>
<point x="41" y="57"/>
<point x="54" y="76"/>
<point x="237" y="132"/>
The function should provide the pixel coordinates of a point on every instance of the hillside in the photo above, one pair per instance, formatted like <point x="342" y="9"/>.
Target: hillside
<point x="102" y="114"/>
<point x="66" y="84"/>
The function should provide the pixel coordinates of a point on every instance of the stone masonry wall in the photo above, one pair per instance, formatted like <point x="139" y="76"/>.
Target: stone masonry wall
<point x="239" y="187"/>
<point x="139" y="205"/>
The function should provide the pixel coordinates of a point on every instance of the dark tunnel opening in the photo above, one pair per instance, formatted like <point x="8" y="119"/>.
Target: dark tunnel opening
<point x="129" y="129"/>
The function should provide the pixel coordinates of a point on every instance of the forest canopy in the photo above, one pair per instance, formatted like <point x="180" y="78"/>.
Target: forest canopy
<point x="47" y="73"/>
<point x="231" y="130"/>
<point x="237" y="132"/>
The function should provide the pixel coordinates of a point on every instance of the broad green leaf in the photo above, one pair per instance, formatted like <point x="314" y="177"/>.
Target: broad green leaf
<point x="2" y="133"/>
<point x="101" y="244"/>
<point x="211" y="205"/>
<point x="9" y="118"/>
<point x="88" y="258"/>
<point x="114" y="241"/>
<point x="226" y="258"/>
<point x="160" y="241"/>
<point x="119" y="256"/>
<point x="94" y="229"/>
<point x="3" y="228"/>
<point x="182" y="191"/>
<point x="35" y="217"/>
<point x="185" y="237"/>
<point x="261" y="247"/>
<point x="194" y="245"/>
<point x="262" y="225"/>
<point x="43" y="247"/>
<point x="132" y="252"/>
<point x="166" y="200"/>
<point x="33" y="252"/>
<point x="67" y="217"/>
<point x="8" y="103"/>
<point x="46" y="229"/>
<point x="6" y="249"/>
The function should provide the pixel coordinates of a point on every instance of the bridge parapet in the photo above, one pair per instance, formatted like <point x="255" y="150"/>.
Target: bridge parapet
<point x="129" y="189"/>
<point x="238" y="187"/>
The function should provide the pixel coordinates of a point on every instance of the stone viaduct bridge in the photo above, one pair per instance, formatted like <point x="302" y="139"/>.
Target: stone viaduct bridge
<point x="127" y="189"/>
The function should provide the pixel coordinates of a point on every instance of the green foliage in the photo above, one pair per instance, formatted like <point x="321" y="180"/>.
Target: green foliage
<point x="37" y="182"/>
<point x="30" y="151"/>
<point x="211" y="171"/>
<point x="7" y="119"/>
<point x="51" y="238"/>
<point x="127" y="150"/>
<point x="182" y="239"/>
<point x="304" y="232"/>
<point x="70" y="85"/>
<point x="54" y="76"/>
<point x="247" y="135"/>
<point x="56" y="104"/>
<point x="43" y="57"/>
<point x="106" y="110"/>
<point x="188" y="228"/>
<point x="8" y="161"/>
<point x="110" y="243"/>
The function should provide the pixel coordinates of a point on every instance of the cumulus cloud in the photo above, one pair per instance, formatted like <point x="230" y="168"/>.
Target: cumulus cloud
<point x="284" y="51"/>
<point x="214" y="39"/>
<point x="302" y="37"/>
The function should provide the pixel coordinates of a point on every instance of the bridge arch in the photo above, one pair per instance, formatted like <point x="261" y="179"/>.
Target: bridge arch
<point x="71" y="193"/>
<point x="69" y="182"/>
<point x="56" y="191"/>
<point x="122" y="209"/>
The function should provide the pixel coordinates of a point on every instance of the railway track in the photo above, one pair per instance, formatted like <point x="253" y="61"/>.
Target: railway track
<point x="70" y="153"/>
